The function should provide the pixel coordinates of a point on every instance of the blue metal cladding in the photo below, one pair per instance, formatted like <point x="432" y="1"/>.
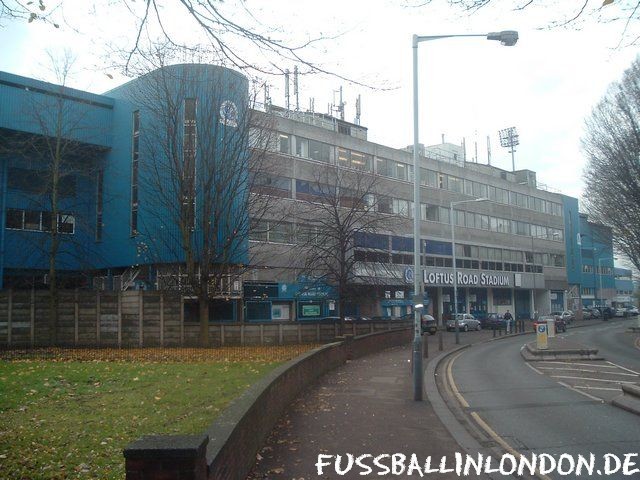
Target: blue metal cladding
<point x="32" y="106"/>
<point x="221" y="157"/>
<point x="623" y="285"/>
<point x="597" y="252"/>
<point x="572" y="239"/>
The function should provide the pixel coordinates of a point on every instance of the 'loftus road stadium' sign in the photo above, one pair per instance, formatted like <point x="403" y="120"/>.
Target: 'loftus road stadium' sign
<point x="483" y="279"/>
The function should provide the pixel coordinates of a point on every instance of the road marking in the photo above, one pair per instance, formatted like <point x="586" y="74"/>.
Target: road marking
<point x="580" y="364"/>
<point x="534" y="368"/>
<point x="590" y="379"/>
<point x="624" y="368"/>
<point x="497" y="438"/>
<point x="598" y="388"/>
<point x="452" y="384"/>
<point x="592" y="397"/>
<point x="589" y="371"/>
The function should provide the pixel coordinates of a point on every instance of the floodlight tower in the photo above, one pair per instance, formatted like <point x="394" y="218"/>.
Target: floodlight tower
<point x="509" y="138"/>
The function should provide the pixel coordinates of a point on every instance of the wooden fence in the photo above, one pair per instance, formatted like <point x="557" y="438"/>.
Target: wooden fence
<point x="145" y="319"/>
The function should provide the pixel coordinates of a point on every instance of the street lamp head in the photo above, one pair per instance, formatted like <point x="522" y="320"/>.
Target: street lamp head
<point x="508" y="38"/>
<point x="481" y="199"/>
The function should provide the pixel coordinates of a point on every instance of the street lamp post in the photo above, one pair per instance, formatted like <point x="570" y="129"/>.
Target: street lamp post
<point x="455" y="273"/>
<point x="507" y="38"/>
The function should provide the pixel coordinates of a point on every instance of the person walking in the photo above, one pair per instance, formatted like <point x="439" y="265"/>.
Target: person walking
<point x="508" y="318"/>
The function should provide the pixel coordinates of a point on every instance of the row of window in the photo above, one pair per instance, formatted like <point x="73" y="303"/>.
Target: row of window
<point x="313" y="191"/>
<point x="624" y="292"/>
<point x="38" y="221"/>
<point x="486" y="258"/>
<point x="600" y="270"/>
<point x="315" y="150"/>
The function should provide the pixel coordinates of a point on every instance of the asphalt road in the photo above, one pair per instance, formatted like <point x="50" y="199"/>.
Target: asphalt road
<point x="534" y="413"/>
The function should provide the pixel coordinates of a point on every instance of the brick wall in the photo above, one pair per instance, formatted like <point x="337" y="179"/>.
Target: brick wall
<point x="240" y="431"/>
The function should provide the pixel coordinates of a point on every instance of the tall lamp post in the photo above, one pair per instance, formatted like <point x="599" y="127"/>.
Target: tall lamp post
<point x="507" y="38"/>
<point x="455" y="273"/>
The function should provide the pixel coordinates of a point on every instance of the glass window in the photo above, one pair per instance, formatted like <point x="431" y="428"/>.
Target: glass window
<point x="442" y="181"/>
<point x="431" y="178"/>
<point x="31" y="220"/>
<point x="319" y="151"/>
<point x="401" y="207"/>
<point x="430" y="212"/>
<point x="258" y="230"/>
<point x="284" y="143"/>
<point x="15" y="218"/>
<point x="468" y="187"/>
<point x="470" y="219"/>
<point x="302" y="147"/>
<point x="401" y="171"/>
<point x="281" y="232"/>
<point x="456" y="184"/>
<point x="444" y="215"/>
<point x="66" y="223"/>
<point x="385" y="204"/>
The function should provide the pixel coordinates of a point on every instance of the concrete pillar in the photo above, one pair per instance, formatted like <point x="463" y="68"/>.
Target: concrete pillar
<point x="532" y="303"/>
<point x="440" y="305"/>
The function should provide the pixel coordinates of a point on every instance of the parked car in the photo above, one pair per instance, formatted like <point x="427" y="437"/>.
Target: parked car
<point x="561" y="325"/>
<point x="466" y="322"/>
<point x="566" y="315"/>
<point x="632" y="311"/>
<point x="493" y="320"/>
<point x="595" y="313"/>
<point x="587" y="314"/>
<point x="620" y="312"/>
<point x="429" y="325"/>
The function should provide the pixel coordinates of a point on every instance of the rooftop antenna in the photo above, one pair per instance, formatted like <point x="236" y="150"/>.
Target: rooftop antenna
<point x="340" y="108"/>
<point x="358" y="110"/>
<point x="295" y="87"/>
<point x="464" y="148"/>
<point x="286" y="88"/>
<point x="509" y="138"/>
<point x="488" y="150"/>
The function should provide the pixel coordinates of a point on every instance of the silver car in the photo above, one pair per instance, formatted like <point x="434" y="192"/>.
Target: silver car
<point x="466" y="322"/>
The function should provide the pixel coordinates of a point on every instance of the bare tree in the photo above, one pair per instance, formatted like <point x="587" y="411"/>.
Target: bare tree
<point x="341" y="208"/>
<point x="612" y="145"/>
<point x="201" y="150"/>
<point x="59" y="166"/>
<point x="234" y="35"/>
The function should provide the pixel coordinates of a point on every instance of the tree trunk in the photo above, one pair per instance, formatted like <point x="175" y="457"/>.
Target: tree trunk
<point x="204" y="320"/>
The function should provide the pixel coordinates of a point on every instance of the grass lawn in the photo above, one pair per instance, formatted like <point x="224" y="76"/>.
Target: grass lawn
<point x="65" y="418"/>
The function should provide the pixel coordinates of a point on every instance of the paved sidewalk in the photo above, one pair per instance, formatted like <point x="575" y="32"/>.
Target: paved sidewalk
<point x="365" y="406"/>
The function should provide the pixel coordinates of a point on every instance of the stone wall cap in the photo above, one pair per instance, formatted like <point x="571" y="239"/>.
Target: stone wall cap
<point x="175" y="446"/>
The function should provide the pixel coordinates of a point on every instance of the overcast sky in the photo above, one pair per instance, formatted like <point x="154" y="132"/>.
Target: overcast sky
<point x="544" y="86"/>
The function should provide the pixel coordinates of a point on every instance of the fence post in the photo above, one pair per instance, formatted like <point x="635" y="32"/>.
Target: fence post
<point x="9" y="315"/>
<point x="76" y="318"/>
<point x="98" y="318"/>
<point x="318" y="332"/>
<point x="119" y="319"/>
<point x="161" y="319"/>
<point x="261" y="334"/>
<point x="280" y="334"/>
<point x="33" y="316"/>
<point x="299" y="334"/>
<point x="242" y="334"/>
<point x="222" y="334"/>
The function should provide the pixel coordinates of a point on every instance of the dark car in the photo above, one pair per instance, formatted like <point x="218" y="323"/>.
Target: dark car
<point x="595" y="313"/>
<point x="429" y="325"/>
<point x="607" y="313"/>
<point x="561" y="325"/>
<point x="493" y="320"/>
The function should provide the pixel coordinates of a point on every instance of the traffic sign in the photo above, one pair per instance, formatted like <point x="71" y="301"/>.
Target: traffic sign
<point x="541" y="336"/>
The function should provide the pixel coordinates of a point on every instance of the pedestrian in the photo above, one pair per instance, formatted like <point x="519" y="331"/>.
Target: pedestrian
<point x="508" y="318"/>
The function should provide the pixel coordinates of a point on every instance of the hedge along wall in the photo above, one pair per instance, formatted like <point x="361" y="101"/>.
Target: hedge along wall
<point x="228" y="448"/>
<point x="145" y="319"/>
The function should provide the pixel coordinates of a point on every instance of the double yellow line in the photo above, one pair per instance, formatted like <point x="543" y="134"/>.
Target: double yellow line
<point x="480" y="422"/>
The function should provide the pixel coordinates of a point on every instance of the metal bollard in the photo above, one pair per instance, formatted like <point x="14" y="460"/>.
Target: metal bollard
<point x="425" y="346"/>
<point x="493" y="327"/>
